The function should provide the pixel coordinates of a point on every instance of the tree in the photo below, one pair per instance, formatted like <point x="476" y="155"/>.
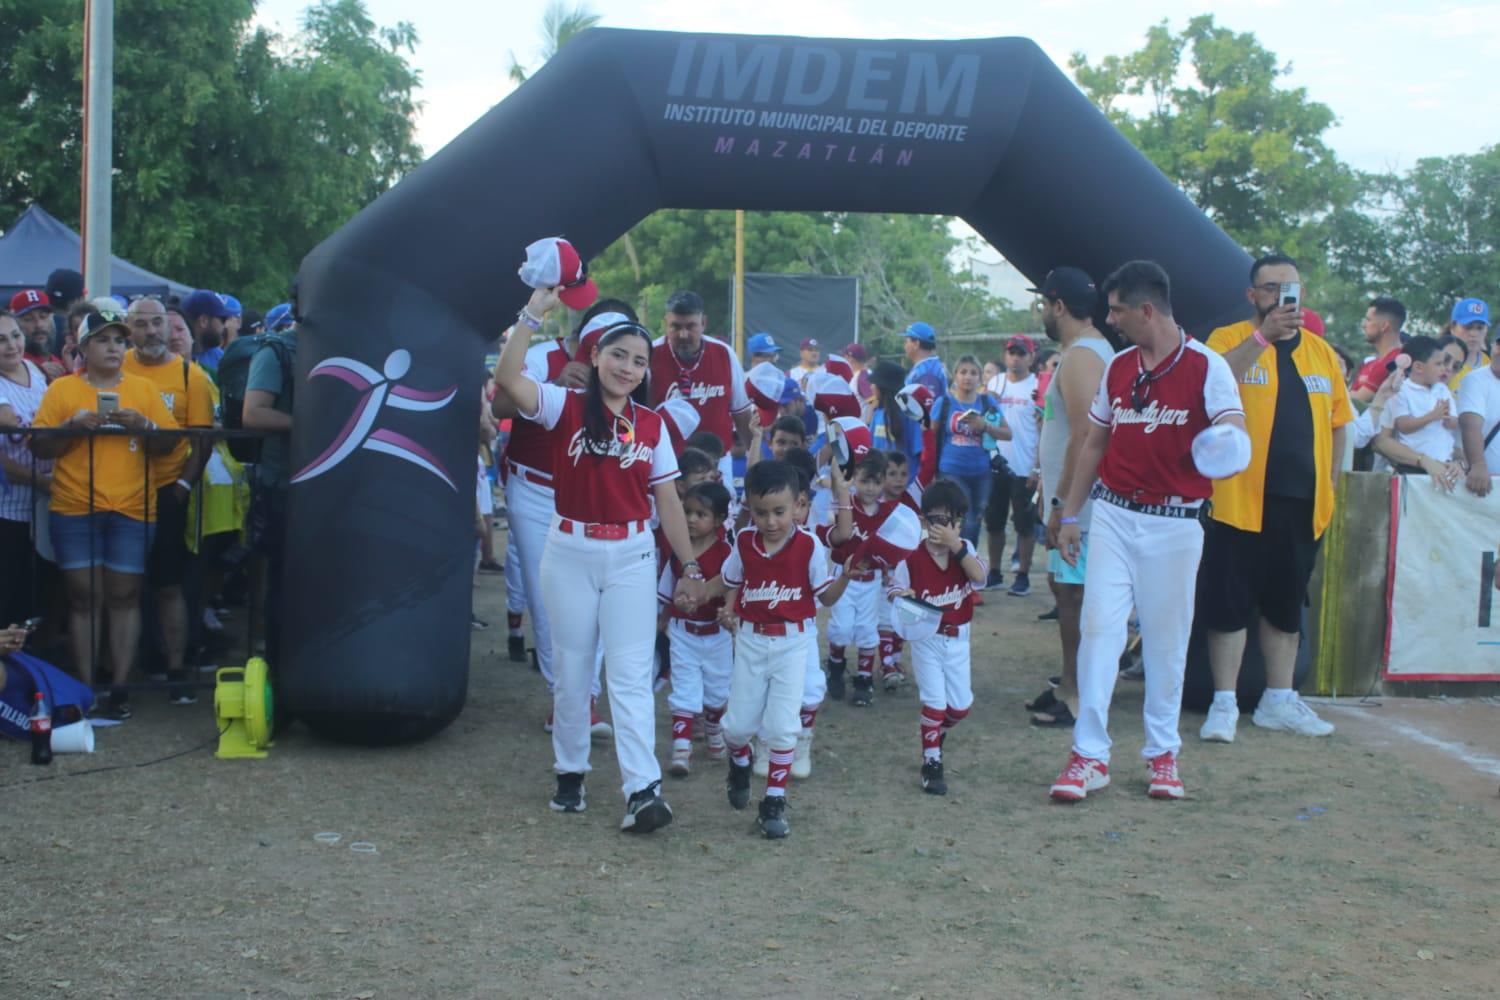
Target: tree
<point x="235" y="150"/>
<point x="560" y="25"/>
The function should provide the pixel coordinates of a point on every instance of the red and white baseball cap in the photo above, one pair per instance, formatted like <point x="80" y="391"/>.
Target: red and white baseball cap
<point x="916" y="401"/>
<point x="681" y="418"/>
<point x="28" y="299"/>
<point x="592" y="331"/>
<point x="897" y="538"/>
<point x="849" y="438"/>
<point x="838" y="365"/>
<point x="764" y="383"/>
<point x="553" y="261"/>
<point x="832" y="396"/>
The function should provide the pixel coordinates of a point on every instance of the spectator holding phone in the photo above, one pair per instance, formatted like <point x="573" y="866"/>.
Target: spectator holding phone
<point x="1423" y="415"/>
<point x="102" y="508"/>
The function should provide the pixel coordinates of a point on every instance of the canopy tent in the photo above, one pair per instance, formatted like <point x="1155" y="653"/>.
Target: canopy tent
<point x="38" y="244"/>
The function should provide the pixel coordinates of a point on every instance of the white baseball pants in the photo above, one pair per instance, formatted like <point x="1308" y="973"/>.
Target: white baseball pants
<point x="1151" y="563"/>
<point x="515" y="584"/>
<point x="765" y="689"/>
<point x="814" y="681"/>
<point x="701" y="665"/>
<point x="855" y="617"/>
<point x="941" y="665"/>
<point x="597" y="590"/>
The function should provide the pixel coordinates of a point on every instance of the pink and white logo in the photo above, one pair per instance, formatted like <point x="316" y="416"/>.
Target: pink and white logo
<point x="378" y="389"/>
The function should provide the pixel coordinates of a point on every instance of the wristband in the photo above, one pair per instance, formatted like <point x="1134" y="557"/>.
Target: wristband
<point x="1067" y="520"/>
<point x="1260" y="339"/>
<point x="185" y="485"/>
<point x="525" y="318"/>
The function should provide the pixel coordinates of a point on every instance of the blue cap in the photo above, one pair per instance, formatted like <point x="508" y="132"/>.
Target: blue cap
<point x="789" y="391"/>
<point x="764" y="343"/>
<point x="124" y="302"/>
<point x="1471" y="311"/>
<point x="205" y="303"/>
<point x="279" y="317"/>
<point x="232" y="304"/>
<point x="921" y="332"/>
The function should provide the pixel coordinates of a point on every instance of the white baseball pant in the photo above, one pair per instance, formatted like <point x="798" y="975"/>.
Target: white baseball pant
<point x="941" y="665"/>
<point x="814" y="681"/>
<point x="1151" y="563"/>
<point x="530" y="510"/>
<point x="701" y="665"/>
<point x="603" y="590"/>
<point x="855" y="617"/>
<point x="765" y="689"/>
<point x="515" y="585"/>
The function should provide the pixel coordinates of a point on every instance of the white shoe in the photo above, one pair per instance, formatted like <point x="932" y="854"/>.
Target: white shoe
<point x="211" y="621"/>
<point x="1292" y="716"/>
<point x="1219" y="726"/>
<point x="802" y="762"/>
<point x="681" y="757"/>
<point x="762" y="766"/>
<point x="713" y="738"/>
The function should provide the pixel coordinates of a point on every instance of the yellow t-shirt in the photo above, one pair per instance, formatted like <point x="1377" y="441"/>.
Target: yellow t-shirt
<point x="1458" y="377"/>
<point x="119" y="464"/>
<point x="188" y="392"/>
<point x="1239" y="501"/>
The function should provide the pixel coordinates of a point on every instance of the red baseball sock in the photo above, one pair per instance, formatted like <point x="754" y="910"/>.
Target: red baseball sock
<point x="682" y="727"/>
<point x="809" y="716"/>
<point x="953" y="716"/>
<point x="781" y="769"/>
<point x="712" y="715"/>
<point x="836" y="657"/>
<point x="866" y="662"/>
<point x="740" y="756"/>
<point x="513" y="622"/>
<point x="932" y="730"/>
<point x="887" y="646"/>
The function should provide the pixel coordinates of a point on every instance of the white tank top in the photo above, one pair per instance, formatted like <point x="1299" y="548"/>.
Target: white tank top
<point x="1055" y="428"/>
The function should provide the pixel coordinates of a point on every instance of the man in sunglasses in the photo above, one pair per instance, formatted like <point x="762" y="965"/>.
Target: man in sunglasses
<point x="701" y="369"/>
<point x="1145" y="541"/>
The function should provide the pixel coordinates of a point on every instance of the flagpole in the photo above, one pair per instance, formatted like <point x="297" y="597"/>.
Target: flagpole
<point x="98" y="153"/>
<point x="739" y="282"/>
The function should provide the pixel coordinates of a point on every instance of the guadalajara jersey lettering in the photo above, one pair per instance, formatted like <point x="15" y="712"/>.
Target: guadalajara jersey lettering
<point x="609" y="481"/>
<point x="781" y="586"/>
<point x="711" y="562"/>
<point x="949" y="589"/>
<point x="1151" y="450"/>
<point x="530" y="445"/>
<point x="714" y="383"/>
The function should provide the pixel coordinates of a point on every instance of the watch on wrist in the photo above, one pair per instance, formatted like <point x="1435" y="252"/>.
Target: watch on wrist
<point x="1056" y="503"/>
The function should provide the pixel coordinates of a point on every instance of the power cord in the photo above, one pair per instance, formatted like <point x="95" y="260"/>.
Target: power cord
<point x="119" y="767"/>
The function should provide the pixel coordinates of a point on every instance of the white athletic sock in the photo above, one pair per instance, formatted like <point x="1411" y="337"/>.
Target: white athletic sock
<point x="1275" y="696"/>
<point x="1224" y="699"/>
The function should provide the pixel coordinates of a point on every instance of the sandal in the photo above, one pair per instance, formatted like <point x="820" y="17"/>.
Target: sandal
<point x="1043" y="702"/>
<point x="1057" y="717"/>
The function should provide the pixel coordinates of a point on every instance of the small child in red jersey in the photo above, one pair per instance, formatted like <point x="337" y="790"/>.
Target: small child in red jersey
<point x="856" y="618"/>
<point x="897" y="487"/>
<point x="944" y="572"/>
<point x="776" y="570"/>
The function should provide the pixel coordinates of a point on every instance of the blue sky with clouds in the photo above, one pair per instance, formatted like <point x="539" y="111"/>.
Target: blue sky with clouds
<point x="1406" y="80"/>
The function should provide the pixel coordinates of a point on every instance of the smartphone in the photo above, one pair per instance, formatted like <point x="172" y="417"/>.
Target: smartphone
<point x="32" y="624"/>
<point x="109" y="402"/>
<point x="1291" y="293"/>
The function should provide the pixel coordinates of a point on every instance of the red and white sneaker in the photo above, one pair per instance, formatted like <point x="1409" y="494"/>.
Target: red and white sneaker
<point x="682" y="755"/>
<point x="598" y="728"/>
<point x="1081" y="776"/>
<point x="713" y="736"/>
<point x="1164" y="781"/>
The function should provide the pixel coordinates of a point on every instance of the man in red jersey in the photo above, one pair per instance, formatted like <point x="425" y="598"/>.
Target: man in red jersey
<point x="701" y="369"/>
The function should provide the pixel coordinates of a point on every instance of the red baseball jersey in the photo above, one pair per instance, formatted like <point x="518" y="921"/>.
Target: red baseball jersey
<point x="780" y="587"/>
<point x="711" y="562"/>
<point x="1151" y="449"/>
<point x="604" y="482"/>
<point x="529" y="444"/>
<point x="865" y="526"/>
<point x="714" y="383"/>
<point x="949" y="589"/>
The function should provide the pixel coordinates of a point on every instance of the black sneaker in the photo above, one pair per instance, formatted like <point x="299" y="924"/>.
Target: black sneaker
<point x="534" y="664"/>
<point x="864" y="691"/>
<point x="772" y="817"/>
<point x="835" y="681"/>
<point x="646" y="811"/>
<point x="1048" y="616"/>
<point x="569" y="795"/>
<point x="738" y="785"/>
<point x="995" y="580"/>
<point x="933" y="782"/>
<point x="478" y="624"/>
<point x="515" y="648"/>
<point x="109" y="708"/>
<point x="1021" y="586"/>
<point x="181" y="695"/>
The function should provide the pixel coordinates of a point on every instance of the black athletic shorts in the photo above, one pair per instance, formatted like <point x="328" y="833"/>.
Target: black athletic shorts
<point x="1268" y="570"/>
<point x="1010" y="498"/>
<point x="167" y="564"/>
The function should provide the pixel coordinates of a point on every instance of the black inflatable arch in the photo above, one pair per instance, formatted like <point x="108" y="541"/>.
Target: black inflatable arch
<point x="399" y="306"/>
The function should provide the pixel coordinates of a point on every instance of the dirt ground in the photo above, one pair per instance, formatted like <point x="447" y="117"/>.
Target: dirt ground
<point x="1337" y="868"/>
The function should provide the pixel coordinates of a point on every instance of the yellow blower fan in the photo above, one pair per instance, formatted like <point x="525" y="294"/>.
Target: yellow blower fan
<point x="242" y="709"/>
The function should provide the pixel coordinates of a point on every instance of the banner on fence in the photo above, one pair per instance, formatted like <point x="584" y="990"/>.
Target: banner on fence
<point x="1443" y="621"/>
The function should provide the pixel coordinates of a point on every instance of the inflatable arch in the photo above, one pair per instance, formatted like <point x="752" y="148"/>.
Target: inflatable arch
<point x="400" y="305"/>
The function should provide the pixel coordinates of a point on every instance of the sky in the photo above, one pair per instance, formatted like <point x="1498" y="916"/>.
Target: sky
<point x="1406" y="79"/>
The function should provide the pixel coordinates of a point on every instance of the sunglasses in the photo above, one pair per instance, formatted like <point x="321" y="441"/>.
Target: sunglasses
<point x="941" y="520"/>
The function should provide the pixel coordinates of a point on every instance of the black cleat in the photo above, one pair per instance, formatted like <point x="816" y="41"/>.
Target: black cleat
<point x="515" y="648"/>
<point x="738" y="785"/>
<point x="646" y="811"/>
<point x="569" y="795"/>
<point x="1048" y="616"/>
<point x="933" y="782"/>
<point x="835" y="681"/>
<point x="864" y="691"/>
<point x="772" y="818"/>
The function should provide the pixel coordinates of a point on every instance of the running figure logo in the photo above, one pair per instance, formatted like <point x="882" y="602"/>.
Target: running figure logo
<point x="378" y="389"/>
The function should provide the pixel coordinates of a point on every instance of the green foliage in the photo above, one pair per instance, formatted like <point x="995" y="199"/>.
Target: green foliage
<point x="560" y="25"/>
<point x="235" y="151"/>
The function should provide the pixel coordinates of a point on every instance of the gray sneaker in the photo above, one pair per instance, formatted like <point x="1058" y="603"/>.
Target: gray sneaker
<point x="1292" y="716"/>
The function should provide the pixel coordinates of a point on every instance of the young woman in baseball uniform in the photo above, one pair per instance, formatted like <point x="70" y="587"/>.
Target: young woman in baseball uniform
<point x="945" y="571"/>
<point x="776" y="570"/>
<point x="611" y="457"/>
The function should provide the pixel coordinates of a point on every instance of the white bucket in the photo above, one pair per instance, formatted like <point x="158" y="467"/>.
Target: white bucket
<point x="75" y="737"/>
